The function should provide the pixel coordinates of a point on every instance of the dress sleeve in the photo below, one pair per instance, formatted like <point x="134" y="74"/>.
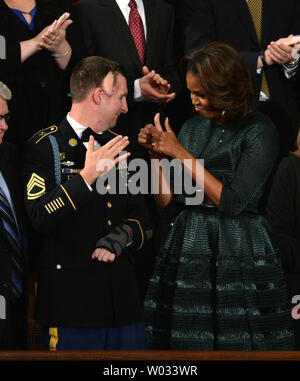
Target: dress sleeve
<point x="282" y="215"/>
<point x="258" y="151"/>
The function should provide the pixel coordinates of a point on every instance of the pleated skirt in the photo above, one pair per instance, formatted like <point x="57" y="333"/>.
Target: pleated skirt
<point x="218" y="285"/>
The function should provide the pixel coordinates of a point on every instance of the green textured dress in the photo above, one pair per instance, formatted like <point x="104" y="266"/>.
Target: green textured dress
<point x="218" y="283"/>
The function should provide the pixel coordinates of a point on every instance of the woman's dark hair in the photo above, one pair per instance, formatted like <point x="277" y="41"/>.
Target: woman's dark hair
<point x="224" y="79"/>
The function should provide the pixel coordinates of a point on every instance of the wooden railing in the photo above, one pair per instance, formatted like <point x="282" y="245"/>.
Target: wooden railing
<point x="148" y="356"/>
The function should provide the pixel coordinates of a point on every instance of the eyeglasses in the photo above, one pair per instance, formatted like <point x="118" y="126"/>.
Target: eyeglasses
<point x="5" y="117"/>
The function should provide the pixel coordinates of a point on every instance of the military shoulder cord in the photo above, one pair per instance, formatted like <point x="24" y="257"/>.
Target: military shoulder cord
<point x="56" y="156"/>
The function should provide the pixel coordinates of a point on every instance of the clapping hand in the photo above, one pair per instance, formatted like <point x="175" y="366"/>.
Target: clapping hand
<point x="154" y="88"/>
<point x="101" y="160"/>
<point x="147" y="136"/>
<point x="280" y="51"/>
<point x="54" y="36"/>
<point x="155" y="139"/>
<point x="167" y="142"/>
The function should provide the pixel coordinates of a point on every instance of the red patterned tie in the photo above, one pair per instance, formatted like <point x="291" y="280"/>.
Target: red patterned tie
<point x="137" y="30"/>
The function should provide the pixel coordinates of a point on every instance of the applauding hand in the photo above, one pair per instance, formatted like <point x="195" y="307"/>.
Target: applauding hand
<point x="54" y="37"/>
<point x="280" y="51"/>
<point x="101" y="160"/>
<point x="154" y="88"/>
<point x="166" y="142"/>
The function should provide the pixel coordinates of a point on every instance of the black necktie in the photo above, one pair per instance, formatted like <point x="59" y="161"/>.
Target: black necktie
<point x="100" y="138"/>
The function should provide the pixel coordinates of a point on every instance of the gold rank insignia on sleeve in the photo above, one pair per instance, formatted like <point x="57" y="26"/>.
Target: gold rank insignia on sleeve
<point x="54" y="205"/>
<point x="35" y="187"/>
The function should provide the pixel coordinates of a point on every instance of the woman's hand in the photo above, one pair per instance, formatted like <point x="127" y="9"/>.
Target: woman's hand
<point x="54" y="37"/>
<point x="146" y="139"/>
<point x="146" y="135"/>
<point x="32" y="46"/>
<point x="166" y="142"/>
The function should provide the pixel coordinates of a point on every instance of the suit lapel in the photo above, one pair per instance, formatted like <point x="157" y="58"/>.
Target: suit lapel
<point x="112" y="13"/>
<point x="150" y="15"/>
<point x="241" y="7"/>
<point x="268" y="22"/>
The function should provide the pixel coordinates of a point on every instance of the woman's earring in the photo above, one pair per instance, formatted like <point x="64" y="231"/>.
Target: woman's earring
<point x="223" y="112"/>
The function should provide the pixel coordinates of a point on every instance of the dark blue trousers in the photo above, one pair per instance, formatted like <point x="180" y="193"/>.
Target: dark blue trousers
<point x="129" y="337"/>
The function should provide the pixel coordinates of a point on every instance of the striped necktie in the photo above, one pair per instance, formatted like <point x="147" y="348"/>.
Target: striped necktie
<point x="255" y="8"/>
<point x="12" y="235"/>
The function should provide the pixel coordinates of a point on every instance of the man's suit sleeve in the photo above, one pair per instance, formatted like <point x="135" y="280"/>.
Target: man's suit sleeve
<point x="198" y="24"/>
<point x="282" y="214"/>
<point x="169" y="71"/>
<point x="47" y="203"/>
<point x="199" y="28"/>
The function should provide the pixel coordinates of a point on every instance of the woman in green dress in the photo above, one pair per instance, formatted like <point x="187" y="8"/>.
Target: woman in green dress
<point x="217" y="283"/>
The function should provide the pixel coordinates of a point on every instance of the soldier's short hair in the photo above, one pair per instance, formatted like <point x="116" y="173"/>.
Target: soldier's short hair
<point x="89" y="74"/>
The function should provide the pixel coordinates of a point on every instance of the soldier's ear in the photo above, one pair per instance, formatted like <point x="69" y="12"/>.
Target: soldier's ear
<point x="97" y="94"/>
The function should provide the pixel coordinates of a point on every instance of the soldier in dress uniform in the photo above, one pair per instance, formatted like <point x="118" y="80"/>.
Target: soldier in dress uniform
<point x="87" y="293"/>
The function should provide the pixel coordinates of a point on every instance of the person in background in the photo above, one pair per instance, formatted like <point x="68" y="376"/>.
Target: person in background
<point x="36" y="55"/>
<point x="283" y="214"/>
<point x="261" y="31"/>
<point x="218" y="282"/>
<point x="13" y="240"/>
<point x="87" y="291"/>
<point x="139" y="35"/>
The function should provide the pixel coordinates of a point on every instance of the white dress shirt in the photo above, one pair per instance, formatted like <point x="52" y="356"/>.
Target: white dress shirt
<point x="78" y="129"/>
<point x="125" y="9"/>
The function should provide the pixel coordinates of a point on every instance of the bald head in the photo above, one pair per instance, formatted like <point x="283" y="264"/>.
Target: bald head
<point x="5" y="93"/>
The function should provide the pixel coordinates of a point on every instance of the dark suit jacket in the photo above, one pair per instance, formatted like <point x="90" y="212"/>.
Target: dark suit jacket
<point x="73" y="289"/>
<point x="9" y="166"/>
<point x="230" y="21"/>
<point x="283" y="212"/>
<point x="103" y="31"/>
<point x="37" y="84"/>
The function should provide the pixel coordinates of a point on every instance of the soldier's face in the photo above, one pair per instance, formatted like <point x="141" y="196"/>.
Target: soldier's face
<point x="3" y="112"/>
<point x="113" y="100"/>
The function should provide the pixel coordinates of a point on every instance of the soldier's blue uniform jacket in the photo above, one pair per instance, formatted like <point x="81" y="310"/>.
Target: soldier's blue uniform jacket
<point x="73" y="289"/>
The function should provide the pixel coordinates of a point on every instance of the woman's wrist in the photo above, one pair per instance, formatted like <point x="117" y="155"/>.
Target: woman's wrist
<point x="63" y="50"/>
<point x="64" y="54"/>
<point x="181" y="154"/>
<point x="29" y="48"/>
<point x="155" y="155"/>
